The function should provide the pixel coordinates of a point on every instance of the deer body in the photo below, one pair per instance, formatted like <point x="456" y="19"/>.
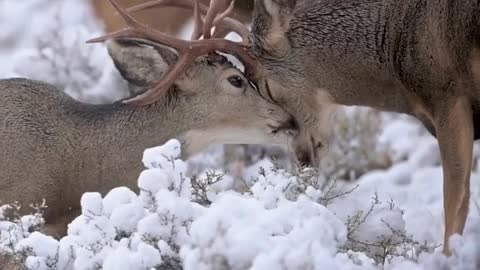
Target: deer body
<point x="415" y="56"/>
<point x="376" y="53"/>
<point x="55" y="148"/>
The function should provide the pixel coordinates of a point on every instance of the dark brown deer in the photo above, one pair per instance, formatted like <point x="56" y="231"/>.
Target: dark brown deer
<point x="55" y="148"/>
<point x="417" y="57"/>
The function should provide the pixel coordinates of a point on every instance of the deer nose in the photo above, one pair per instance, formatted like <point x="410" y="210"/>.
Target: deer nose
<point x="291" y="125"/>
<point x="305" y="158"/>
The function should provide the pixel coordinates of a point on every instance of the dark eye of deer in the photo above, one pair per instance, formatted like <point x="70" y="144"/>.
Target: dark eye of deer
<point x="236" y="81"/>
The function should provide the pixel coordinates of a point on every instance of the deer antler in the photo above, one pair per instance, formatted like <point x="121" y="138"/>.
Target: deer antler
<point x="188" y="50"/>
<point x="225" y="22"/>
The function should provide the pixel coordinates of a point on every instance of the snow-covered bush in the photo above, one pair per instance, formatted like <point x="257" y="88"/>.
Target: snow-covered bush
<point x="55" y="50"/>
<point x="13" y="229"/>
<point x="284" y="221"/>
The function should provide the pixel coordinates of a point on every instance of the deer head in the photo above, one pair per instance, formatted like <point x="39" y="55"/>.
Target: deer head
<point x="227" y="107"/>
<point x="161" y="67"/>
<point x="282" y="77"/>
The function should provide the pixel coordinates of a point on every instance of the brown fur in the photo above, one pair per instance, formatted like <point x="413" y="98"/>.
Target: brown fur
<point x="55" y="148"/>
<point x="418" y="57"/>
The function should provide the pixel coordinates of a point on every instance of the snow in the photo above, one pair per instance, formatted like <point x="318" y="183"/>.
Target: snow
<point x="54" y="50"/>
<point x="388" y="218"/>
<point x="274" y="226"/>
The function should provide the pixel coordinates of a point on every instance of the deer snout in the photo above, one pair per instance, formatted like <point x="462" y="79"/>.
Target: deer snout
<point x="305" y="158"/>
<point x="289" y="126"/>
<point x="308" y="151"/>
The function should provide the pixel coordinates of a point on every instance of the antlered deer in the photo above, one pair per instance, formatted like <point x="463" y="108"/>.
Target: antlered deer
<point x="417" y="57"/>
<point x="55" y="148"/>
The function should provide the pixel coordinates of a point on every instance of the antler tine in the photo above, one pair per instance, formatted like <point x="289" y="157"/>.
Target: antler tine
<point x="188" y="51"/>
<point x="216" y="7"/>
<point x="127" y="17"/>
<point x="196" y="49"/>
<point x="198" y="22"/>
<point x="225" y="13"/>
<point x="221" y="31"/>
<point x="166" y="82"/>
<point x="138" y="30"/>
<point x="206" y="27"/>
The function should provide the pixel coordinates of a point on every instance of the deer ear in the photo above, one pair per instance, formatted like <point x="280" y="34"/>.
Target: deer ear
<point x="141" y="63"/>
<point x="272" y="22"/>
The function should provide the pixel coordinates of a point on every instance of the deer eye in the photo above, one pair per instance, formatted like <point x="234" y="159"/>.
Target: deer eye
<point x="236" y="81"/>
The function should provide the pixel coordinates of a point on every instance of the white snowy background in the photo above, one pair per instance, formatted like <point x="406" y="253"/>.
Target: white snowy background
<point x="376" y="202"/>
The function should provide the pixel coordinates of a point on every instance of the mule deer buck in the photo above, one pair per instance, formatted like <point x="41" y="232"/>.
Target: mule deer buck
<point x="416" y="57"/>
<point x="55" y="148"/>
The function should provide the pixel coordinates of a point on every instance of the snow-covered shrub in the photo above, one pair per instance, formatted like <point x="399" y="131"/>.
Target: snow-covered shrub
<point x="284" y="221"/>
<point x="163" y="223"/>
<point x="14" y="227"/>
<point x="56" y="53"/>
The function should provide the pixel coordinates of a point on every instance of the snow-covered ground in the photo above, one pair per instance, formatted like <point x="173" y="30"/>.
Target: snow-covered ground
<point x="389" y="218"/>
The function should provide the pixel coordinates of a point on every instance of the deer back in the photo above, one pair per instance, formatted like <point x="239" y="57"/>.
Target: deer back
<point x="356" y="48"/>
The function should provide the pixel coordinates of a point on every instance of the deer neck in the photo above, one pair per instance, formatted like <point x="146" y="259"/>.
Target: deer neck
<point x="110" y="140"/>
<point x="120" y="130"/>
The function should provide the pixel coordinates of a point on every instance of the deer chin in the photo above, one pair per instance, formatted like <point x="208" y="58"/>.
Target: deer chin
<point x="195" y="141"/>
